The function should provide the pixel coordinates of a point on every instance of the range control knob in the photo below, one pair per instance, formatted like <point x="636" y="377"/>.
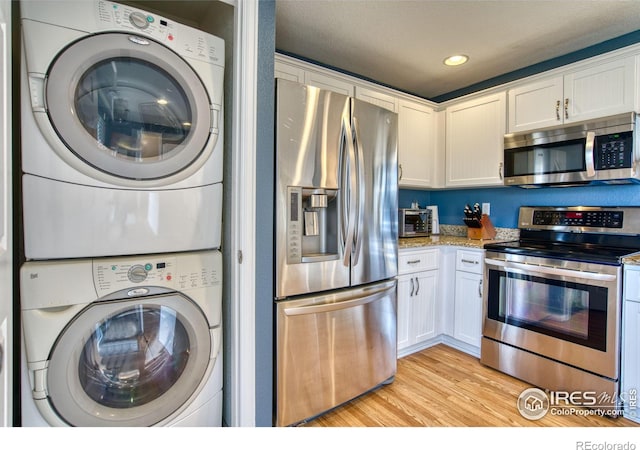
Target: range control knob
<point x="137" y="274"/>
<point x="139" y="20"/>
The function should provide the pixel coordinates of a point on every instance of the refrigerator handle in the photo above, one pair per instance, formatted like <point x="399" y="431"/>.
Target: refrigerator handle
<point x="349" y="184"/>
<point x="360" y="193"/>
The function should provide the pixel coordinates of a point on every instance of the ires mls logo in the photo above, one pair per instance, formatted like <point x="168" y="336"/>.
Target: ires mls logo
<point x="534" y="403"/>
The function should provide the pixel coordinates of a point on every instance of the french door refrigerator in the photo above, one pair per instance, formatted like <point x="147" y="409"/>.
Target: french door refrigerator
<point x="336" y="249"/>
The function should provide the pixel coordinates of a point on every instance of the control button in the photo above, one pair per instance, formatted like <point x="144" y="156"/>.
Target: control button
<point x="148" y="267"/>
<point x="169" y="277"/>
<point x="139" y="20"/>
<point x="137" y="274"/>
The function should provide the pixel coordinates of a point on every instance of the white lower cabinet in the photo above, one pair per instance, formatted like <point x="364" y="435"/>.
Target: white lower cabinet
<point x="467" y="325"/>
<point x="417" y="288"/>
<point x="630" y="376"/>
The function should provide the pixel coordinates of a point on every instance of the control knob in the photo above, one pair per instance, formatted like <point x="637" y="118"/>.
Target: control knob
<point x="138" y="20"/>
<point x="137" y="273"/>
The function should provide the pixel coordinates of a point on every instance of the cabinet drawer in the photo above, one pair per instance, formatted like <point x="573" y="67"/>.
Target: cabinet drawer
<point x="414" y="261"/>
<point x="469" y="261"/>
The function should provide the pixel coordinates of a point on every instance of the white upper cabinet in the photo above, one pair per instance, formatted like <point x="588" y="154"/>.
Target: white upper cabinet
<point x="418" y="161"/>
<point x="288" y="72"/>
<point x="328" y="82"/>
<point x="378" y="98"/>
<point x="474" y="141"/>
<point x="595" y="91"/>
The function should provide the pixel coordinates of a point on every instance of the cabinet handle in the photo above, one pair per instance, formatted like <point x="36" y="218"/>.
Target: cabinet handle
<point x="411" y="294"/>
<point x="414" y="261"/>
<point x="399" y="172"/>
<point x="566" y="108"/>
<point x="480" y="289"/>
<point x="468" y="261"/>
<point x="558" y="110"/>
<point x="417" y="286"/>
<point x="500" y="171"/>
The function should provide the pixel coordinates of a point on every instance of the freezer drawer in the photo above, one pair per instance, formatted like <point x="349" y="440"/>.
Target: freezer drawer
<point x="332" y="348"/>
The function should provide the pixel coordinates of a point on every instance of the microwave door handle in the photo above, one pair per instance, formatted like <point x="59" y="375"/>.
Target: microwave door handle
<point x="588" y="154"/>
<point x="512" y="266"/>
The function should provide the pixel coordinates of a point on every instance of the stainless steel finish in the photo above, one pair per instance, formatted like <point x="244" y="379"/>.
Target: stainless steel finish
<point x="335" y="290"/>
<point x="588" y="154"/>
<point x="604" y="363"/>
<point x="337" y="158"/>
<point x="406" y="218"/>
<point x="587" y="130"/>
<point x="323" y="340"/>
<point x="630" y="226"/>
<point x="541" y="371"/>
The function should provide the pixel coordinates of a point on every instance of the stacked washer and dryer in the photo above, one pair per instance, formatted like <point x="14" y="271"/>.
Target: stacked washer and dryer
<point x="122" y="153"/>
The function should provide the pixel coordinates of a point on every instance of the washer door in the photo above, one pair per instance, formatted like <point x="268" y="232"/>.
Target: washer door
<point x="128" y="106"/>
<point x="129" y="362"/>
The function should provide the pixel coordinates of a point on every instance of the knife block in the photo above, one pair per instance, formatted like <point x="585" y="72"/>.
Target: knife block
<point x="486" y="231"/>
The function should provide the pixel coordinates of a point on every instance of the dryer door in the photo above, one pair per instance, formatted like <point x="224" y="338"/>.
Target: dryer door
<point x="128" y="106"/>
<point x="129" y="362"/>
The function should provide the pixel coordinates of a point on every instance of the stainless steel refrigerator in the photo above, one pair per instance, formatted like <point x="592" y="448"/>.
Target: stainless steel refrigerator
<point x="336" y="249"/>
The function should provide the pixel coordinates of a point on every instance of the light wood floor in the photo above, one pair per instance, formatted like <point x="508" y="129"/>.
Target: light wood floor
<point x="443" y="387"/>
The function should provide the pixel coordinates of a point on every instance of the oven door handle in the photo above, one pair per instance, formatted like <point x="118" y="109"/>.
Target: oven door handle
<point x="550" y="270"/>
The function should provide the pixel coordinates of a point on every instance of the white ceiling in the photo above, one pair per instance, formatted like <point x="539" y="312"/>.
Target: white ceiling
<point x="402" y="43"/>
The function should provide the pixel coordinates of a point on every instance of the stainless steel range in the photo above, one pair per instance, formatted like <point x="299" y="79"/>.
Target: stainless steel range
<point x="553" y="299"/>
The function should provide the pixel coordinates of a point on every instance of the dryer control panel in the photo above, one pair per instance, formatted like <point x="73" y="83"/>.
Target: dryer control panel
<point x="182" y="39"/>
<point x="178" y="272"/>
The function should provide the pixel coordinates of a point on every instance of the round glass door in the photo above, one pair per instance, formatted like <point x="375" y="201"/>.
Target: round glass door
<point x="129" y="363"/>
<point x="128" y="106"/>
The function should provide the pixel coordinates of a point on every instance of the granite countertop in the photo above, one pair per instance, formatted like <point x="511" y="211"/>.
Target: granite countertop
<point x="631" y="259"/>
<point x="457" y="236"/>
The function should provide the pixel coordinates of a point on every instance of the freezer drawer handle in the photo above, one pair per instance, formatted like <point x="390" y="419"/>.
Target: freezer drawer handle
<point x="348" y="302"/>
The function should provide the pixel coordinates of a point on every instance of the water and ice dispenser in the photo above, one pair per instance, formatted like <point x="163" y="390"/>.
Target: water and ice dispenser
<point x="312" y="228"/>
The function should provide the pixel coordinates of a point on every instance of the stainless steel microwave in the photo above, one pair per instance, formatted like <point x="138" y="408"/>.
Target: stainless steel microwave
<point x="414" y="222"/>
<point x="604" y="151"/>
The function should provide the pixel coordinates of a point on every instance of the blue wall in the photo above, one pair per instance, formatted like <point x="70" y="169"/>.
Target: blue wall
<point x="506" y="201"/>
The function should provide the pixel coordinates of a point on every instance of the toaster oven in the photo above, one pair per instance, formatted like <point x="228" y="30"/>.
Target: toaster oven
<point x="414" y="222"/>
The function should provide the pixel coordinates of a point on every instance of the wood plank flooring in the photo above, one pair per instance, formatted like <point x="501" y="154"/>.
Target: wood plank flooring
<point x="443" y="387"/>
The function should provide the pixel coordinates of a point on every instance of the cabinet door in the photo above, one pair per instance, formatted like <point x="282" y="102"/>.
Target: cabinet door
<point x="377" y="98"/>
<point x="600" y="91"/>
<point x="630" y="377"/>
<point x="468" y="308"/>
<point x="424" y="305"/>
<point x="405" y="294"/>
<point x="536" y="105"/>
<point x="288" y="72"/>
<point x="416" y="145"/>
<point x="328" y="82"/>
<point x="416" y="308"/>
<point x="475" y="141"/>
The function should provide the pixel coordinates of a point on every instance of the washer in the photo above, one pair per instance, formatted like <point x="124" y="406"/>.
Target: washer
<point x="123" y="341"/>
<point x="122" y="131"/>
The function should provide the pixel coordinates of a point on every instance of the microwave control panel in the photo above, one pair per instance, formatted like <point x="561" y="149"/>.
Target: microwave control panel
<point x="614" y="151"/>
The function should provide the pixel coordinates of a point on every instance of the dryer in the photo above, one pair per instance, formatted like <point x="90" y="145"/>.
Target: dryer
<point x="123" y="341"/>
<point x="122" y="131"/>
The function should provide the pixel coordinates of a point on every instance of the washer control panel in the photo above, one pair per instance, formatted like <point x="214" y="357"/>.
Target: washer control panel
<point x="179" y="272"/>
<point x="182" y="39"/>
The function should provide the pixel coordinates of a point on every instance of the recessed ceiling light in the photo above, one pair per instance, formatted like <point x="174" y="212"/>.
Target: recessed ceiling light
<point x="456" y="60"/>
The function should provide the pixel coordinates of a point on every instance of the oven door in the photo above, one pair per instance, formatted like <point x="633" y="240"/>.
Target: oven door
<point x="567" y="311"/>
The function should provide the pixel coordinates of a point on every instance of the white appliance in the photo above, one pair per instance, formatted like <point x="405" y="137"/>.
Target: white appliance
<point x="123" y="341"/>
<point x="122" y="131"/>
<point x="435" y="219"/>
